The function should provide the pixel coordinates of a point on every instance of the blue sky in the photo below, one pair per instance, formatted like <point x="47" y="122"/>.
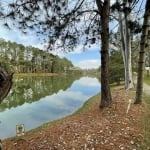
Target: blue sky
<point x="90" y="58"/>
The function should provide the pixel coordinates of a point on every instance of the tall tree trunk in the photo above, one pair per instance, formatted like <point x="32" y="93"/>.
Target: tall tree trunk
<point x="126" y="45"/>
<point x="104" y="10"/>
<point x="143" y="44"/>
<point x="128" y="66"/>
<point x="122" y="35"/>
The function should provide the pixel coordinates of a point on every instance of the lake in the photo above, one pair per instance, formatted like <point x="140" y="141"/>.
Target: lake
<point x="33" y="101"/>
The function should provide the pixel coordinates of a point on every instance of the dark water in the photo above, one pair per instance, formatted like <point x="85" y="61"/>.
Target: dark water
<point x="33" y="101"/>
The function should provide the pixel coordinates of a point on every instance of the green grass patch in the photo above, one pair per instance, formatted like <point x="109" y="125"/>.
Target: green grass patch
<point x="147" y="79"/>
<point x="146" y="118"/>
<point x="87" y="105"/>
<point x="112" y="85"/>
<point x="146" y="123"/>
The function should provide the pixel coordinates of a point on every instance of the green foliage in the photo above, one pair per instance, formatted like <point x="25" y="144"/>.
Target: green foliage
<point x="146" y="120"/>
<point x="146" y="123"/>
<point x="20" y="59"/>
<point x="24" y="89"/>
<point x="116" y="67"/>
<point x="147" y="79"/>
<point x="71" y="22"/>
<point x="135" y="54"/>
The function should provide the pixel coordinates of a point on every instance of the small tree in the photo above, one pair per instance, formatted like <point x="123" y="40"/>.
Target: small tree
<point x="116" y="68"/>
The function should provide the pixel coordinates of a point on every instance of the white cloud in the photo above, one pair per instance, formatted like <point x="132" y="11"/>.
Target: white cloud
<point x="78" y="50"/>
<point x="89" y="64"/>
<point x="112" y="2"/>
<point x="87" y="81"/>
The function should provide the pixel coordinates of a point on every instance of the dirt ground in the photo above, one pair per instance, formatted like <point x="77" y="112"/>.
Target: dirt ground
<point x="90" y="129"/>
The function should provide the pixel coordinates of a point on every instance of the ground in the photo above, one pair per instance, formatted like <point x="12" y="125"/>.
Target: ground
<point x="90" y="128"/>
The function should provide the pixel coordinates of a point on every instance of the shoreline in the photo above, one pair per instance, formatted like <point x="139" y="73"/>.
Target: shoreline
<point x="90" y="128"/>
<point x="81" y="109"/>
<point x="35" y="74"/>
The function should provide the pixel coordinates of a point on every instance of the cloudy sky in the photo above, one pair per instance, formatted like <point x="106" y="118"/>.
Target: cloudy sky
<point x="90" y="58"/>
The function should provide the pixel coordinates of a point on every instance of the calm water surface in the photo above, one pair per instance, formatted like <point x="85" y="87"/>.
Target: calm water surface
<point x="34" y="101"/>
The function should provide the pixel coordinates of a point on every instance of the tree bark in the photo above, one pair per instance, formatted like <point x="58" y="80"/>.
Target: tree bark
<point x="106" y="98"/>
<point x="125" y="34"/>
<point x="128" y="66"/>
<point x="143" y="44"/>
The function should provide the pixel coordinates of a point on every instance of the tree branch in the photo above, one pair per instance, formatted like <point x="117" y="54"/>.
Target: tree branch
<point x="99" y="5"/>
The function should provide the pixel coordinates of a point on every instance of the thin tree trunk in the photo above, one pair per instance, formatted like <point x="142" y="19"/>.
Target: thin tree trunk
<point x="106" y="99"/>
<point x="143" y="43"/>
<point x="122" y="35"/>
<point x="128" y="66"/>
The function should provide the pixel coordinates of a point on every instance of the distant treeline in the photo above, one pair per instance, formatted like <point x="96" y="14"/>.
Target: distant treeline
<point x="18" y="58"/>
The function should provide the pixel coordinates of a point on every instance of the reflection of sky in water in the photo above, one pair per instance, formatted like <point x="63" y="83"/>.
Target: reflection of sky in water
<point x="48" y="108"/>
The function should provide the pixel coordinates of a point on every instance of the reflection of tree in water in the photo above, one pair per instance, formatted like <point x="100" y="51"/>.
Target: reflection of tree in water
<point x="30" y="89"/>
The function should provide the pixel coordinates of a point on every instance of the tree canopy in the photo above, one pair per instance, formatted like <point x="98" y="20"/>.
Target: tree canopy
<point x="18" y="58"/>
<point x="62" y="24"/>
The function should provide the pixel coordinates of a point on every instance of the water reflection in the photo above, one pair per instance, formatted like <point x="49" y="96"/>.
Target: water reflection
<point x="30" y="89"/>
<point x="33" y="102"/>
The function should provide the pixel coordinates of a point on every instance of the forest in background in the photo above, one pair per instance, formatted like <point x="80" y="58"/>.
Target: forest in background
<point x="18" y="58"/>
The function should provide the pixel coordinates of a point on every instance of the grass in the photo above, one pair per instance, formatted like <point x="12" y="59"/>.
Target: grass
<point x="146" y="122"/>
<point x="147" y="79"/>
<point x="34" y="74"/>
<point x="87" y="104"/>
<point x="113" y="85"/>
<point x="146" y="118"/>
